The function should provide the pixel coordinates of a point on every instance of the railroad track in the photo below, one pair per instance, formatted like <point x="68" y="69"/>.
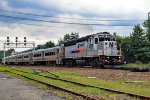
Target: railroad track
<point x="133" y="69"/>
<point x="85" y="85"/>
<point x="85" y="97"/>
<point x="115" y="67"/>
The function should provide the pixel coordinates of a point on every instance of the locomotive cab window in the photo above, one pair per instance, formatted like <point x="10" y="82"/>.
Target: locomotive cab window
<point x="101" y="39"/>
<point x="107" y="39"/>
<point x="96" y="40"/>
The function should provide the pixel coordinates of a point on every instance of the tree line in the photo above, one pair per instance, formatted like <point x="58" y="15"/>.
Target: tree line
<point x="67" y="37"/>
<point x="136" y="46"/>
<point x="7" y="53"/>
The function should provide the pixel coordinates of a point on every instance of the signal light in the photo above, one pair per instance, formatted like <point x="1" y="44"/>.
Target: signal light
<point x="25" y="40"/>
<point x="7" y="40"/>
<point x="16" y="40"/>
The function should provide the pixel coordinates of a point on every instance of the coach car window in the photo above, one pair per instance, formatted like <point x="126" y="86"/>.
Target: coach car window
<point x="54" y="53"/>
<point x="37" y="55"/>
<point x="46" y="54"/>
<point x="19" y="57"/>
<point x="26" y="56"/>
<point x="96" y="40"/>
<point x="49" y="53"/>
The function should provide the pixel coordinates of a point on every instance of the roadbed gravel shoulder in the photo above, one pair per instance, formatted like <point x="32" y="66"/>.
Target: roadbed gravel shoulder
<point x="12" y="88"/>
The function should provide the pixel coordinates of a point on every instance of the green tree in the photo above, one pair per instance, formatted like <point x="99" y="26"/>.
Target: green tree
<point x="125" y="43"/>
<point x="68" y="37"/>
<point x="60" y="41"/>
<point x="48" y="44"/>
<point x="7" y="53"/>
<point x="139" y="45"/>
<point x="74" y="36"/>
<point x="146" y="24"/>
<point x="39" y="47"/>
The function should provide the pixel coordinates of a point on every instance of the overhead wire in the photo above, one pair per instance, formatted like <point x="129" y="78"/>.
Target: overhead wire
<point x="41" y="20"/>
<point x="52" y="26"/>
<point x="41" y="15"/>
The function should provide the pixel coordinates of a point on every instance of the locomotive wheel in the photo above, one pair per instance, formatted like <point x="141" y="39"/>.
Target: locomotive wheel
<point x="69" y="63"/>
<point x="87" y="63"/>
<point x="93" y="63"/>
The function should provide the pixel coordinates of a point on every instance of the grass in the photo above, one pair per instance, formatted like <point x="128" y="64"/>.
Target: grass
<point x="137" y="65"/>
<point x="119" y="85"/>
<point x="72" y="87"/>
<point x="103" y="83"/>
<point x="82" y="79"/>
<point x="45" y="88"/>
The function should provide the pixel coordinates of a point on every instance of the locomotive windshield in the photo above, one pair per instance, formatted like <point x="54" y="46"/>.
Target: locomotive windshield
<point x="106" y="39"/>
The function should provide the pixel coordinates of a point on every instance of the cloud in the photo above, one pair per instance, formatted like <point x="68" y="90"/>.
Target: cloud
<point x="42" y="34"/>
<point x="95" y="9"/>
<point x="114" y="8"/>
<point x="4" y="5"/>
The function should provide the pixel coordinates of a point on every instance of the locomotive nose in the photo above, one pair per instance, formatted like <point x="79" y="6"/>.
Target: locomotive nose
<point x="110" y="48"/>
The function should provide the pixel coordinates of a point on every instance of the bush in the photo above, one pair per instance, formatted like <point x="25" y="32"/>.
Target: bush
<point x="138" y="62"/>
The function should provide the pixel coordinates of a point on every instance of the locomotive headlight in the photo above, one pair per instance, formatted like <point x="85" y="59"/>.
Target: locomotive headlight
<point x="107" y="57"/>
<point x="119" y="57"/>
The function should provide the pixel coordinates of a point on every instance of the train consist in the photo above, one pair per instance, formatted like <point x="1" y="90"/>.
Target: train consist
<point x="92" y="50"/>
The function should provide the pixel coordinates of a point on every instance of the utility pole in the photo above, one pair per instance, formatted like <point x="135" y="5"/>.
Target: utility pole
<point x="4" y="55"/>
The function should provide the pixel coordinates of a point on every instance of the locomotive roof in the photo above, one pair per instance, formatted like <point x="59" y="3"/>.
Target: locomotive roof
<point x="73" y="42"/>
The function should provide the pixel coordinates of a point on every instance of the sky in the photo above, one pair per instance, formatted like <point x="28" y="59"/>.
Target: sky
<point x="68" y="11"/>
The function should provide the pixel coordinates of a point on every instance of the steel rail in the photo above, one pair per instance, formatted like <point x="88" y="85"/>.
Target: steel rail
<point x="86" y="97"/>
<point x="103" y="88"/>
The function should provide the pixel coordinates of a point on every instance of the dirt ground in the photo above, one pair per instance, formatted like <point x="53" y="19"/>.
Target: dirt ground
<point x="107" y="74"/>
<point x="12" y="88"/>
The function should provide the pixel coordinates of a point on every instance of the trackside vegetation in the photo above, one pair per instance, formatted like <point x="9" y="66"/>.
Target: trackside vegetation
<point x="136" y="46"/>
<point x="115" y="85"/>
